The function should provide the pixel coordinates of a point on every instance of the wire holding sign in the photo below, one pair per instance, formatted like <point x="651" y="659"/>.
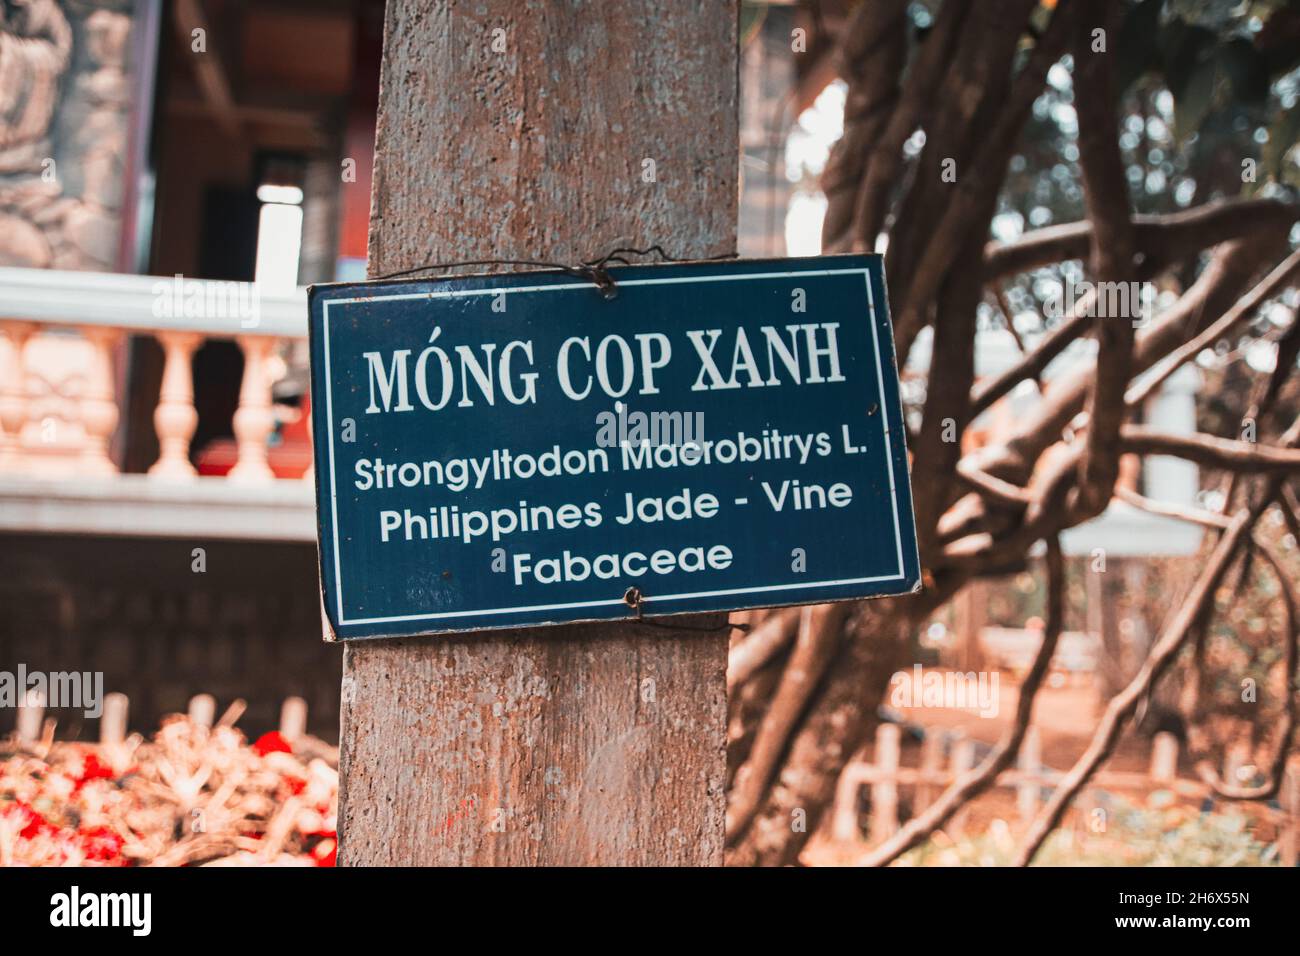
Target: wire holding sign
<point x="790" y="363"/>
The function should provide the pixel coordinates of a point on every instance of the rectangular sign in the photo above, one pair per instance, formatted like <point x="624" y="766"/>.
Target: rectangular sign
<point x="513" y="450"/>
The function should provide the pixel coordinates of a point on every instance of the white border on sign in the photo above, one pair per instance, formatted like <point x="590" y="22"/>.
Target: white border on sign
<point x="451" y="294"/>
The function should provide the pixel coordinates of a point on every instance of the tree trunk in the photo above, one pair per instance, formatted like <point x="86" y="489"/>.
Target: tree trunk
<point x="839" y="722"/>
<point x="545" y="132"/>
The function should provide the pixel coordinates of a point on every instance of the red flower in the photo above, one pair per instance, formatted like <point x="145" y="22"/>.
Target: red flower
<point x="33" y="824"/>
<point x="92" y="768"/>
<point x="327" y="850"/>
<point x="296" y="785"/>
<point x="272" y="742"/>
<point x="101" y="844"/>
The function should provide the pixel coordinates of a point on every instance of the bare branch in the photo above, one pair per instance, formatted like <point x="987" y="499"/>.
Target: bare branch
<point x="1274" y="283"/>
<point x="819" y="631"/>
<point x="871" y="58"/>
<point x="1206" y="519"/>
<point x="1105" y="190"/>
<point x="1215" y="291"/>
<point x="1123" y="704"/>
<point x="1210" y="451"/>
<point x="1161" y="240"/>
<point x="1268" y="790"/>
<point x="844" y="712"/>
<point x="1008" y="321"/>
<point x="887" y="153"/>
<point x="1035" y="361"/>
<point x="1288" y="350"/>
<point x="1262" y="396"/>
<point x="974" y="782"/>
<point x="1291" y="512"/>
<point x="991" y="487"/>
<point x="1046" y="515"/>
<point x="947" y="402"/>
<point x="977" y="184"/>
<point x="761" y="646"/>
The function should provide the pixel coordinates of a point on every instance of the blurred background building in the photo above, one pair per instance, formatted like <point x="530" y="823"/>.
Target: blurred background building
<point x="155" y="499"/>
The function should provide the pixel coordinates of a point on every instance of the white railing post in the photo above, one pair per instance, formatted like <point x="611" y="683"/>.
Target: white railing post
<point x="112" y="724"/>
<point x="254" y="419"/>
<point x="175" y="418"/>
<point x="99" y="401"/>
<point x="844" y="813"/>
<point x="59" y="393"/>
<point x="960" y="763"/>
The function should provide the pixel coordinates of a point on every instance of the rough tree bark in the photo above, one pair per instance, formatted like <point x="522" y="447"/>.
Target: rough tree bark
<point x="578" y="744"/>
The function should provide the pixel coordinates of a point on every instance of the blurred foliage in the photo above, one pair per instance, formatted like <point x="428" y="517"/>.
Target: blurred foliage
<point x="1246" y="634"/>
<point x="1162" y="833"/>
<point x="1017" y="598"/>
<point x="1229" y="67"/>
<point x="1208" y="110"/>
<point x="1246" y="639"/>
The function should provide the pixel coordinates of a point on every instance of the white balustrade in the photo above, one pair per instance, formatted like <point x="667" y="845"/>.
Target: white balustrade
<point x="69" y="391"/>
<point x="175" y="417"/>
<point x="254" y="421"/>
<point x="99" y="401"/>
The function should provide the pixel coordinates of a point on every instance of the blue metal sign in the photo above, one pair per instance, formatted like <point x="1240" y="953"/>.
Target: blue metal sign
<point x="513" y="450"/>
